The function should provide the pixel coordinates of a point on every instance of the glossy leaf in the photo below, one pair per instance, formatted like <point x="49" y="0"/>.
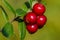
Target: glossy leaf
<point x="20" y="12"/>
<point x="22" y="30"/>
<point x="7" y="30"/>
<point x="9" y="6"/>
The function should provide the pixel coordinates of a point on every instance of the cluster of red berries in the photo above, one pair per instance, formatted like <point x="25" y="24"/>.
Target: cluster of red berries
<point x="35" y="19"/>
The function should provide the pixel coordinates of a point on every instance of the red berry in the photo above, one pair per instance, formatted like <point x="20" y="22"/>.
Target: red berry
<point x="30" y="18"/>
<point x="41" y="20"/>
<point x="39" y="9"/>
<point x="32" y="28"/>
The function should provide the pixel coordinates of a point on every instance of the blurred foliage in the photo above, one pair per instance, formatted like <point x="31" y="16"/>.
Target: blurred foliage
<point x="51" y="31"/>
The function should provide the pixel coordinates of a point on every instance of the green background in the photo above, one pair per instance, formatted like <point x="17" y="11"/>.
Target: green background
<point x="50" y="31"/>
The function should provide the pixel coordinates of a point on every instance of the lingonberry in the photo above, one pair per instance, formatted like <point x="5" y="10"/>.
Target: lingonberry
<point x="30" y="18"/>
<point x="41" y="20"/>
<point x="32" y="28"/>
<point x="39" y="8"/>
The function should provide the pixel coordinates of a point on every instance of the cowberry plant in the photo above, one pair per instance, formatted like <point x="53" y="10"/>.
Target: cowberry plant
<point x="30" y="20"/>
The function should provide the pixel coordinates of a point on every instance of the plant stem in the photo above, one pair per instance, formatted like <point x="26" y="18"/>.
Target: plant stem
<point x="15" y="18"/>
<point x="19" y="18"/>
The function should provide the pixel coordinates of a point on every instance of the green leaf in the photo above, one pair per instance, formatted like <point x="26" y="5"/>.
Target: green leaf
<point x="28" y="4"/>
<point x="44" y="2"/>
<point x="31" y="1"/>
<point x="24" y="8"/>
<point x="22" y="30"/>
<point x="7" y="30"/>
<point x="20" y="12"/>
<point x="4" y="13"/>
<point x="9" y="6"/>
